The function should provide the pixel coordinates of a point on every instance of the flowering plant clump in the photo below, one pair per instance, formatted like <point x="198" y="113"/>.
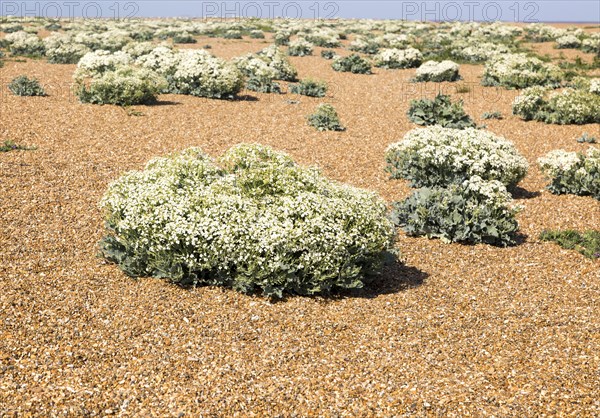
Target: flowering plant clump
<point x="95" y="63"/>
<point x="354" y="64"/>
<point x="365" y="45"/>
<point x="572" y="172"/>
<point x="260" y="76"/>
<point x="437" y="156"/>
<point x="23" y="43"/>
<point x="200" y="74"/>
<point x="437" y="71"/>
<point x="60" y="49"/>
<point x="398" y="58"/>
<point x="324" y="38"/>
<point x="474" y="211"/>
<point x="595" y="86"/>
<point x="125" y="86"/>
<point x="282" y="38"/>
<point x="255" y="222"/>
<point x="300" y="48"/>
<point x="571" y="106"/>
<point x="520" y="71"/>
<point x="568" y="41"/>
<point x="138" y="49"/>
<point x="591" y="44"/>
<point x="325" y="118"/>
<point x="277" y="60"/>
<point x="328" y="54"/>
<point x="257" y="34"/>
<point x="476" y="50"/>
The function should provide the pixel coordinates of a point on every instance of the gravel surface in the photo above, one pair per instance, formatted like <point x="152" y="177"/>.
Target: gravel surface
<point x="458" y="330"/>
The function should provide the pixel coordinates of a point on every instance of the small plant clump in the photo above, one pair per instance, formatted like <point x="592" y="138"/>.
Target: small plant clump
<point x="253" y="221"/>
<point x="392" y="58"/>
<point x="573" y="172"/>
<point x="328" y="54"/>
<point x="309" y="87"/>
<point x="184" y="38"/>
<point x="492" y="115"/>
<point x="325" y="118"/>
<point x="24" y="86"/>
<point x="586" y="139"/>
<point x="439" y="111"/>
<point x="586" y="243"/>
<point x="354" y="64"/>
<point x="9" y="145"/>
<point x="475" y="211"/>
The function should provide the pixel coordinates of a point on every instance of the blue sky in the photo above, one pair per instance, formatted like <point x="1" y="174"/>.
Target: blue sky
<point x="506" y="10"/>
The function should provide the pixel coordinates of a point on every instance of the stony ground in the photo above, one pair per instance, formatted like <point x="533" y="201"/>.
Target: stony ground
<point x="455" y="331"/>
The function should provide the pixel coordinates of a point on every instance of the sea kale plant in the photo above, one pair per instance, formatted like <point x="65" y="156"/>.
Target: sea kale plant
<point x="23" y="43"/>
<point x="125" y="86"/>
<point x="474" y="211"/>
<point x="24" y="86"/>
<point x="579" y="105"/>
<point x="325" y="118"/>
<point x="393" y="58"/>
<point x="354" y="64"/>
<point x="572" y="172"/>
<point x="439" y="111"/>
<point x="309" y="87"/>
<point x="520" y="71"/>
<point x="300" y="48"/>
<point x="438" y="156"/>
<point x="437" y="71"/>
<point x="252" y="220"/>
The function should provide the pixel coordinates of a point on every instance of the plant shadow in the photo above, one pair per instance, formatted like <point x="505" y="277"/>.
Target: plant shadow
<point x="395" y="277"/>
<point x="164" y="103"/>
<point x="521" y="193"/>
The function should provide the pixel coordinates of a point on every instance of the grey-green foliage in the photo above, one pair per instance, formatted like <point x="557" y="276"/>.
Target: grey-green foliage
<point x="325" y="118"/>
<point x="354" y="64"/>
<point x="328" y="54"/>
<point x="309" y="87"/>
<point x="253" y="221"/>
<point x="439" y="111"/>
<point x="24" y="86"/>
<point x="456" y="214"/>
<point x="262" y="85"/>
<point x="492" y="115"/>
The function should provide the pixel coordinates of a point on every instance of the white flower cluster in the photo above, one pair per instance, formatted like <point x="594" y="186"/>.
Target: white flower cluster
<point x="300" y="47"/>
<point x="558" y="161"/>
<point x="252" y="66"/>
<point x="324" y="37"/>
<point x="23" y="43"/>
<point x="571" y="172"/>
<point x="591" y="44"/>
<point x="595" y="86"/>
<point x="61" y="49"/>
<point x="520" y="71"/>
<point x="492" y="191"/>
<point x="200" y="74"/>
<point x="394" y="40"/>
<point x="568" y="41"/>
<point x="437" y="71"/>
<point x="398" y="58"/>
<point x="95" y="63"/>
<point x="277" y="60"/>
<point x="161" y="59"/>
<point x="477" y="50"/>
<point x="260" y="221"/>
<point x="437" y="156"/>
<point x="138" y="49"/>
<point x="570" y="106"/>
